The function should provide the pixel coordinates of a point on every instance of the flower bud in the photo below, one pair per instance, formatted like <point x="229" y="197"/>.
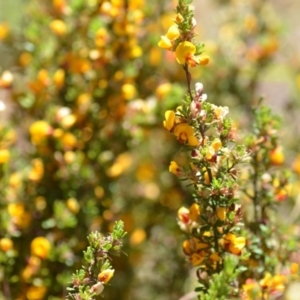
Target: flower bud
<point x="97" y="288"/>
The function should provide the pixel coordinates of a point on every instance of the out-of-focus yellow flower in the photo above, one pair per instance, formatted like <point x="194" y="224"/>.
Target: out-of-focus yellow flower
<point x="4" y="156"/>
<point x="69" y="157"/>
<point x="234" y="244"/>
<point x="121" y="164"/>
<point x="20" y="217"/>
<point x="136" y="51"/>
<point x="185" y="54"/>
<point x="37" y="171"/>
<point x="137" y="236"/>
<point x="296" y="165"/>
<point x="15" y="180"/>
<point x="32" y="267"/>
<point x="39" y="131"/>
<point x="40" y="203"/>
<point x="68" y="121"/>
<point x="78" y="64"/>
<point x="25" y="59"/>
<point x="36" y="292"/>
<point x="59" y="78"/>
<point x="169" y="119"/>
<point x="69" y="140"/>
<point x="4" y="31"/>
<point x="40" y="247"/>
<point x="162" y="90"/>
<point x="6" y="79"/>
<point x="128" y="91"/>
<point x="277" y="156"/>
<point x="210" y="153"/>
<point x="73" y="205"/>
<point x="194" y="212"/>
<point x="294" y="268"/>
<point x="155" y="56"/>
<point x="179" y="18"/>
<point x="185" y="134"/>
<point x="6" y="244"/>
<point x="106" y="275"/>
<point x="58" y="27"/>
<point x="174" y="168"/>
<point x="221" y="213"/>
<point x="16" y="209"/>
<point x="59" y="5"/>
<point x="101" y="37"/>
<point x="216" y="144"/>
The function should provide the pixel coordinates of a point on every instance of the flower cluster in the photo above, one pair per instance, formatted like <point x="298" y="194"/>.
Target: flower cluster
<point x="90" y="280"/>
<point x="213" y="222"/>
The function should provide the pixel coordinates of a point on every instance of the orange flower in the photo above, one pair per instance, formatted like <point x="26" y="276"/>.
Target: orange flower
<point x="106" y="275"/>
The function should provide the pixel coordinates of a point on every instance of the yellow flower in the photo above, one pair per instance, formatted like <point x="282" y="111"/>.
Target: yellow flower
<point x="4" y="31"/>
<point x="40" y="247"/>
<point x="39" y="130"/>
<point x="106" y="275"/>
<point x="210" y="153"/>
<point x="37" y="171"/>
<point x="221" y="213"/>
<point x="194" y="212"/>
<point x="69" y="140"/>
<point x="162" y="90"/>
<point x="173" y="33"/>
<point x="277" y="156"/>
<point x="128" y="91"/>
<point x="73" y="205"/>
<point x="185" y="54"/>
<point x="185" y="133"/>
<point x="166" y="40"/>
<point x="234" y="244"/>
<point x="296" y="165"/>
<point x="183" y="51"/>
<point x="294" y="268"/>
<point x="59" y="78"/>
<point x="216" y="144"/>
<point x="179" y="18"/>
<point x="169" y="119"/>
<point x="36" y="292"/>
<point x="6" y="244"/>
<point x="137" y="236"/>
<point x="4" y="156"/>
<point x="6" y="79"/>
<point x="174" y="168"/>
<point x="58" y="27"/>
<point x="101" y="37"/>
<point x="165" y="43"/>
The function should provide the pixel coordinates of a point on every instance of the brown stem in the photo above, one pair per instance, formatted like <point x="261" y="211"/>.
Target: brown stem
<point x="188" y="79"/>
